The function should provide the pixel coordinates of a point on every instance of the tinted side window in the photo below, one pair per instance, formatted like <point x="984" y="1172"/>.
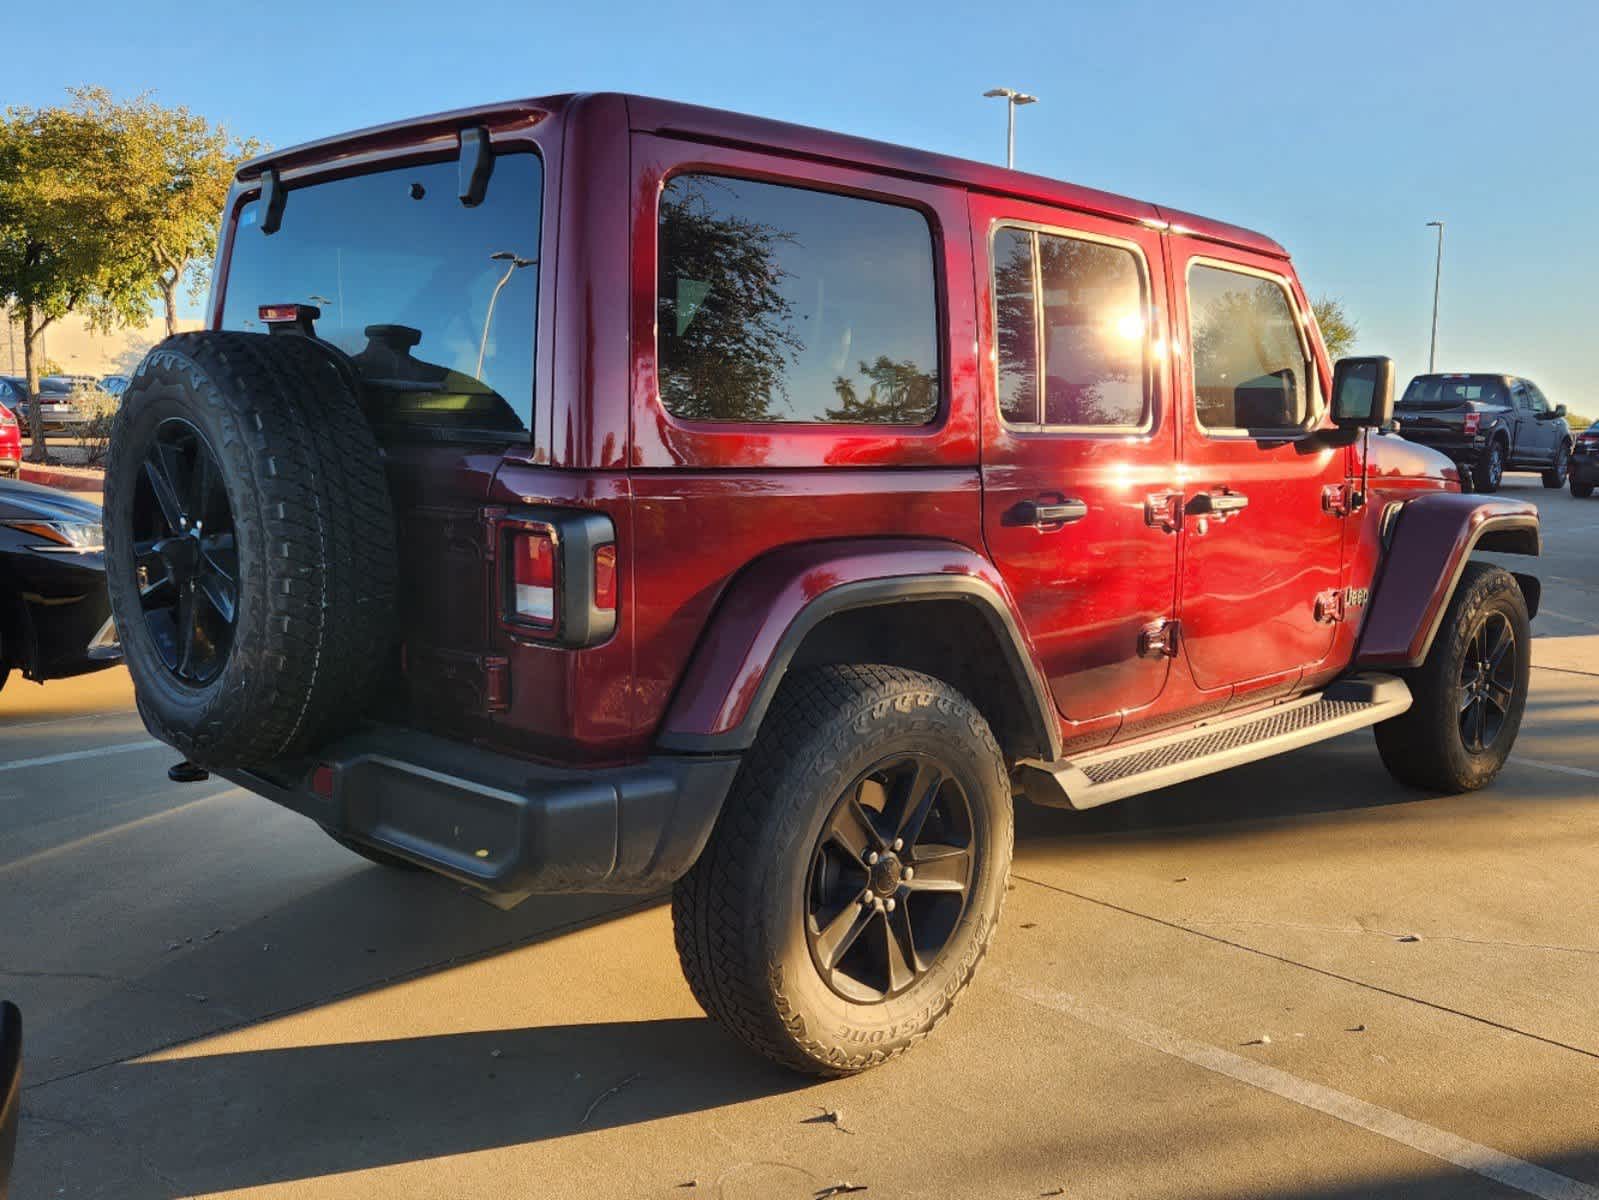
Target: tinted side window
<point x="1088" y="298"/>
<point x="1250" y="367"/>
<point x="1016" y="325"/>
<point x="1540" y="402"/>
<point x="781" y="304"/>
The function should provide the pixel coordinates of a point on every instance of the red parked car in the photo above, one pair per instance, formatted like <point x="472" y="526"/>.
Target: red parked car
<point x="10" y="442"/>
<point x="598" y="493"/>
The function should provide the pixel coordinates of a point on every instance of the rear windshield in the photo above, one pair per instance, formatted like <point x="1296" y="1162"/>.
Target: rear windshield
<point x="1438" y="391"/>
<point x="434" y="301"/>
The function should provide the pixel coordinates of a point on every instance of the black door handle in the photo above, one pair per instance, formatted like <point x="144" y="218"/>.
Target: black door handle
<point x="1063" y="512"/>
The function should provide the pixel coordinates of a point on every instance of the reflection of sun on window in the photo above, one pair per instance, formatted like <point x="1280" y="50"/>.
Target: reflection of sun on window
<point x="1130" y="326"/>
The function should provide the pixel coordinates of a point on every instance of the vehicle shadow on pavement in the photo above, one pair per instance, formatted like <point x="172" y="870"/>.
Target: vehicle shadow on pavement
<point x="196" y="974"/>
<point x="216" y="1115"/>
<point x="234" y="1120"/>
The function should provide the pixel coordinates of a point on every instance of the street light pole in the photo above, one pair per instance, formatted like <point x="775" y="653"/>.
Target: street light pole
<point x="517" y="263"/>
<point x="1013" y="100"/>
<point x="1437" y="278"/>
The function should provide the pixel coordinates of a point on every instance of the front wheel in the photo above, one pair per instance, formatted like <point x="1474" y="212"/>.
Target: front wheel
<point x="1581" y="491"/>
<point x="855" y="877"/>
<point x="1469" y="694"/>
<point x="1555" y="476"/>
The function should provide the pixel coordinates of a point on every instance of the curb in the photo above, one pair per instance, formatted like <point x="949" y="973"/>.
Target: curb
<point x="68" y="480"/>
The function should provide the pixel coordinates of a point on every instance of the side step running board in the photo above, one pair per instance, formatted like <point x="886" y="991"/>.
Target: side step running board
<point x="1150" y="763"/>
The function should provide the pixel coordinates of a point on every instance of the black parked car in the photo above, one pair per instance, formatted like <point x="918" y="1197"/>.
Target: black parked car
<point x="1488" y="424"/>
<point x="55" y="615"/>
<point x="1585" y="463"/>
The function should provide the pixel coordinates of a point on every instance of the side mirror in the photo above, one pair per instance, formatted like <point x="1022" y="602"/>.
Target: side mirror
<point x="1560" y="411"/>
<point x="1363" y="392"/>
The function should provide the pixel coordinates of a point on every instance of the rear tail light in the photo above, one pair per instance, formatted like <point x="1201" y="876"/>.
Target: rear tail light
<point x="322" y="781"/>
<point x="1473" y="421"/>
<point x="558" y="574"/>
<point x="533" y="575"/>
<point x="605" y="578"/>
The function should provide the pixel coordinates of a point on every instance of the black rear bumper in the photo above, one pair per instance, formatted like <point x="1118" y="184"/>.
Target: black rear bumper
<point x="1462" y="447"/>
<point x="506" y="826"/>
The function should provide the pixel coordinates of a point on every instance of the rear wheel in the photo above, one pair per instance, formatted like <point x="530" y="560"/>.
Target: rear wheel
<point x="1469" y="694"/>
<point x="1489" y="472"/>
<point x="856" y="874"/>
<point x="1555" y="476"/>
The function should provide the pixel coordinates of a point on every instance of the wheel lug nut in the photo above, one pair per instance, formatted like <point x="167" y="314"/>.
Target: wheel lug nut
<point x="899" y="843"/>
<point x="871" y="859"/>
<point x="910" y="873"/>
<point x="889" y="904"/>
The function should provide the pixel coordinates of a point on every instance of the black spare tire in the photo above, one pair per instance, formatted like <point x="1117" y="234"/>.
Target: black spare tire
<point x="250" y="546"/>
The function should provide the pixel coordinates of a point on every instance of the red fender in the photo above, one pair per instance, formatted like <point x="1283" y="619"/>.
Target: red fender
<point x="1430" y="544"/>
<point x="765" y="614"/>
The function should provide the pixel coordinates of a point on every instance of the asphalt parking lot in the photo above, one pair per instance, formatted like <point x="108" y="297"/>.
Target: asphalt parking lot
<point x="1294" y="980"/>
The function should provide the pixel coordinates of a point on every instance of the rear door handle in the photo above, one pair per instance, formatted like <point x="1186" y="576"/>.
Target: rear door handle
<point x="1219" y="504"/>
<point x="1042" y="516"/>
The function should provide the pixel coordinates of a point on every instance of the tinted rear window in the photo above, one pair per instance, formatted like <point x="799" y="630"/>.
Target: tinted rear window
<point x="783" y="304"/>
<point x="1431" y="391"/>
<point x="434" y="301"/>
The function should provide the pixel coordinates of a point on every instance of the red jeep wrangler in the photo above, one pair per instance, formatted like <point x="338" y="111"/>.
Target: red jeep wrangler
<point x="593" y="493"/>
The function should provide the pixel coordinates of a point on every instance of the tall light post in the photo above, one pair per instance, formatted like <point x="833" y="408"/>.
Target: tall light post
<point x="517" y="263"/>
<point x="1437" y="278"/>
<point x="1013" y="100"/>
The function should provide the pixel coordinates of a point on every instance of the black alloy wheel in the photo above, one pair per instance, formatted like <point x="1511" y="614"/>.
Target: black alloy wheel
<point x="1469" y="694"/>
<point x="856" y="874"/>
<point x="1487" y="682"/>
<point x="1493" y="468"/>
<point x="185" y="553"/>
<point x="889" y="878"/>
<point x="1555" y="476"/>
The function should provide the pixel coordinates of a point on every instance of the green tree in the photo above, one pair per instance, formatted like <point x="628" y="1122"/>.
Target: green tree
<point x="1338" y="328"/>
<point x="174" y="169"/>
<point x="726" y="325"/>
<point x="63" y="230"/>
<point x="900" y="393"/>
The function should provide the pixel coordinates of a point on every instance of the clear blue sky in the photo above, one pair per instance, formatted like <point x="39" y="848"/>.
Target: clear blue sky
<point x="1339" y="128"/>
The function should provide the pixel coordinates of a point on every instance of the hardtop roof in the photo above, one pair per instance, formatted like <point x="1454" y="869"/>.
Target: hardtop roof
<point x="675" y="119"/>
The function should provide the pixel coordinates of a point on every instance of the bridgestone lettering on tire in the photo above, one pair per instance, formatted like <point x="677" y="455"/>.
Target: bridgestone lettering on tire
<point x="313" y="529"/>
<point x="742" y="916"/>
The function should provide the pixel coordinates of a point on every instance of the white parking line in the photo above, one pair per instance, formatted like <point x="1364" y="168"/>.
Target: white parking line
<point x="1584" y="772"/>
<point x="102" y="835"/>
<point x="1438" y="1143"/>
<point x="7" y="727"/>
<point x="74" y="755"/>
<point x="1560" y="616"/>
